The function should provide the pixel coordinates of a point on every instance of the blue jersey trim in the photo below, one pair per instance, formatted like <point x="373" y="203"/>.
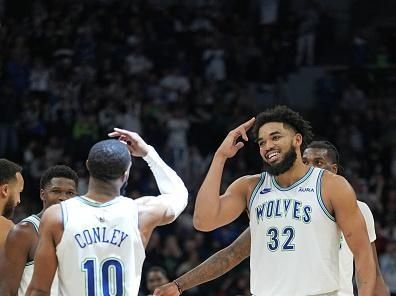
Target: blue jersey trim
<point x="295" y="184"/>
<point x="253" y="195"/>
<point x="96" y="204"/>
<point x="319" y="196"/>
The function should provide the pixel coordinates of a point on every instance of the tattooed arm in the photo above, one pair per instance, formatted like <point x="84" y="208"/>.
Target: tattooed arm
<point x="213" y="267"/>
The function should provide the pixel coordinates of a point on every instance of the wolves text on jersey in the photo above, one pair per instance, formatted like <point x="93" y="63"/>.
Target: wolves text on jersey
<point x="280" y="208"/>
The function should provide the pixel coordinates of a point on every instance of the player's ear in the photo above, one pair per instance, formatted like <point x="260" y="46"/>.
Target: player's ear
<point x="42" y="194"/>
<point x="4" y="190"/>
<point x="125" y="176"/>
<point x="334" y="168"/>
<point x="298" y="139"/>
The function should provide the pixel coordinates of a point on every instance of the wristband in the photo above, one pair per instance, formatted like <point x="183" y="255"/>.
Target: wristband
<point x="178" y="287"/>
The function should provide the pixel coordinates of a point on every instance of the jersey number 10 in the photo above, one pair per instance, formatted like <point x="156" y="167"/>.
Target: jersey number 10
<point x="108" y="277"/>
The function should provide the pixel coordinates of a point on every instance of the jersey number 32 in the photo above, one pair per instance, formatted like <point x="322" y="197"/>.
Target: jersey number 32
<point x="285" y="238"/>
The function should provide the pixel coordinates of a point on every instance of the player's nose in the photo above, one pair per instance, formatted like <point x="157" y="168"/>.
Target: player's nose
<point x="269" y="145"/>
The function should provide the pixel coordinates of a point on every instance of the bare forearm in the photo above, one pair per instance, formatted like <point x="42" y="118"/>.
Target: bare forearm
<point x="380" y="287"/>
<point x="366" y="275"/>
<point x="212" y="268"/>
<point x="219" y="263"/>
<point x="208" y="203"/>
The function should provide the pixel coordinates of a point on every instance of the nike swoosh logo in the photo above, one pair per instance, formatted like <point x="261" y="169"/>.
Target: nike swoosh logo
<point x="265" y="190"/>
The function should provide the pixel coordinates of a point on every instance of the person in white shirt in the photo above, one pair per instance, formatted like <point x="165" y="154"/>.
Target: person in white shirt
<point x="320" y="154"/>
<point x="97" y="241"/>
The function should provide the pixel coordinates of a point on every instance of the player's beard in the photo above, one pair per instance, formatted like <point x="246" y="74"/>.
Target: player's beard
<point x="9" y="209"/>
<point x="283" y="166"/>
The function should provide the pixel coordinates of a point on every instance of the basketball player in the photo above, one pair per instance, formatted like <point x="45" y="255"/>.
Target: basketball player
<point x="323" y="154"/>
<point x="11" y="186"/>
<point x="320" y="154"/>
<point x="97" y="241"/>
<point x="295" y="211"/>
<point x="57" y="184"/>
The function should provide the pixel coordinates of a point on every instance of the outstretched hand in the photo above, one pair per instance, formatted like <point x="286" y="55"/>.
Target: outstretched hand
<point x="231" y="145"/>
<point x="136" y="145"/>
<point x="167" y="290"/>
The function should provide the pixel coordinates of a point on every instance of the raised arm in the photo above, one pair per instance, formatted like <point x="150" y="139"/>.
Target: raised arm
<point x="349" y="218"/>
<point x="162" y="209"/>
<point x="213" y="267"/>
<point x="45" y="261"/>
<point x="174" y="194"/>
<point x="16" y="254"/>
<point x="213" y="210"/>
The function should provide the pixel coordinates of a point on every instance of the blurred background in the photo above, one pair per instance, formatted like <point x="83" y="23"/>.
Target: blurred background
<point x="182" y="74"/>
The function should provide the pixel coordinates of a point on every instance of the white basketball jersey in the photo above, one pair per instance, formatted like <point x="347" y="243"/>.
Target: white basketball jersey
<point x="29" y="267"/>
<point x="101" y="251"/>
<point x="346" y="256"/>
<point x="295" y="240"/>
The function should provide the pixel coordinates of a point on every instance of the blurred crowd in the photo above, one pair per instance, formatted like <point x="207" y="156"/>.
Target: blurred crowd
<point x="182" y="73"/>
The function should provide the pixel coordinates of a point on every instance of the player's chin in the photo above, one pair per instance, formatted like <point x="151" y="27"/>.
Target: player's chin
<point x="272" y="162"/>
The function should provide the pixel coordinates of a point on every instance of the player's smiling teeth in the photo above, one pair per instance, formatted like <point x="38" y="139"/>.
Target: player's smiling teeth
<point x="272" y="154"/>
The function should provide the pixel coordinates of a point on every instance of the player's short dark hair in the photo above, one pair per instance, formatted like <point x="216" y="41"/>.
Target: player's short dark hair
<point x="8" y="170"/>
<point x="288" y="117"/>
<point x="332" y="151"/>
<point x="58" y="171"/>
<point x="108" y="160"/>
<point x="158" y="269"/>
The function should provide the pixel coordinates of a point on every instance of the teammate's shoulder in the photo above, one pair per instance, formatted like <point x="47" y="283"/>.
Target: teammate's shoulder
<point x="334" y="179"/>
<point x="22" y="231"/>
<point x="250" y="179"/>
<point x="52" y="213"/>
<point x="336" y="186"/>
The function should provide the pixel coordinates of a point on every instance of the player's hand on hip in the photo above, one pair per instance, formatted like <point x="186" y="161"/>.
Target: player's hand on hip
<point x="136" y="145"/>
<point x="167" y="290"/>
<point x="231" y="145"/>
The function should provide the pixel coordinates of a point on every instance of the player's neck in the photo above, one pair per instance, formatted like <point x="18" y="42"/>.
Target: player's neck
<point x="101" y="191"/>
<point x="296" y="172"/>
